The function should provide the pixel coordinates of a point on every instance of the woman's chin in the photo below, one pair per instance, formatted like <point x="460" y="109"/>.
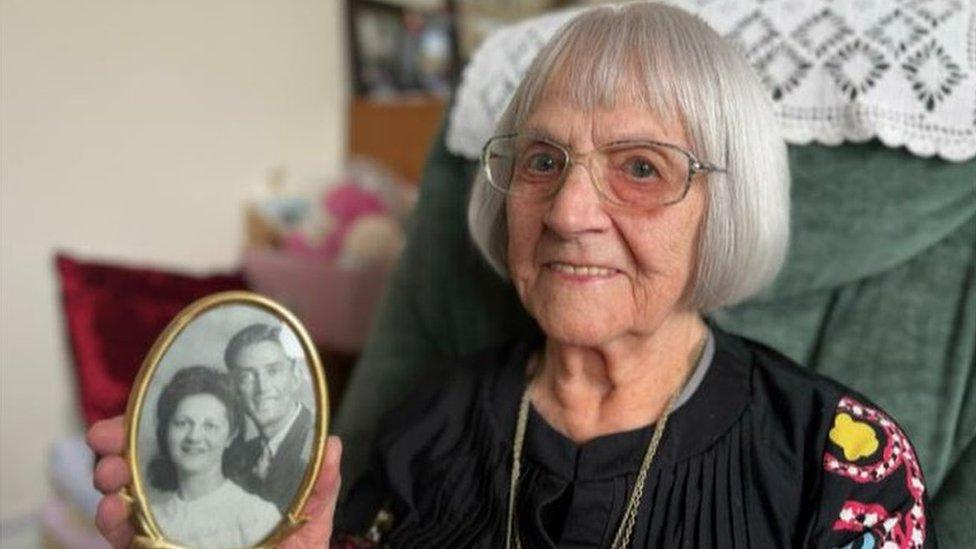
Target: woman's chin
<point x="578" y="318"/>
<point x="580" y="329"/>
<point x="192" y="467"/>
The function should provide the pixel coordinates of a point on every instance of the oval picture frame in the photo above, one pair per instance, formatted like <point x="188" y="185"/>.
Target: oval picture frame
<point x="260" y="440"/>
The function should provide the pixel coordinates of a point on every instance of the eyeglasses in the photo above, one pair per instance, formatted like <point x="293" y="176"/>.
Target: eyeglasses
<point x="639" y="175"/>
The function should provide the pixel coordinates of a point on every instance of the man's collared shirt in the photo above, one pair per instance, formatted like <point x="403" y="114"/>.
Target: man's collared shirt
<point x="274" y="442"/>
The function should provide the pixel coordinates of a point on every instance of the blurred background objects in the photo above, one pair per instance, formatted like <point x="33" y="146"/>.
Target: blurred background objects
<point x="167" y="150"/>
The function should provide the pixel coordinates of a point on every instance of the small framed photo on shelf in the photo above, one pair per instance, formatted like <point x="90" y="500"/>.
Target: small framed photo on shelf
<point x="400" y="48"/>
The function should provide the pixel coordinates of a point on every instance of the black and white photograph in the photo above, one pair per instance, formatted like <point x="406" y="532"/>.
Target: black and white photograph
<point x="226" y="428"/>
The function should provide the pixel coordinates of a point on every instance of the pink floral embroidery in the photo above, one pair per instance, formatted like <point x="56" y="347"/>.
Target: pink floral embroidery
<point x="905" y="531"/>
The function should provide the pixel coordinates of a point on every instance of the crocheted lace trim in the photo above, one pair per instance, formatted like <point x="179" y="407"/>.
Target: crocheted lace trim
<point x="902" y="71"/>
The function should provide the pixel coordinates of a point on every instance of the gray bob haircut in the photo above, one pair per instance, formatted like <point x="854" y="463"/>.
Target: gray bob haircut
<point x="671" y="63"/>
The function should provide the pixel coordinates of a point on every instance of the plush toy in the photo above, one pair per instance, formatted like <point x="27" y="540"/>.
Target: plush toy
<point x="359" y="219"/>
<point x="374" y="239"/>
<point x="347" y="202"/>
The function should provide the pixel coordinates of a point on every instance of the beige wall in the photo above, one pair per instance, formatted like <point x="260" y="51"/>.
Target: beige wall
<point x="134" y="130"/>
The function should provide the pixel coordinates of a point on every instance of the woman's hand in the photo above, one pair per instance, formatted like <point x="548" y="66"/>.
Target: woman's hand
<point x="114" y="517"/>
<point x="321" y="504"/>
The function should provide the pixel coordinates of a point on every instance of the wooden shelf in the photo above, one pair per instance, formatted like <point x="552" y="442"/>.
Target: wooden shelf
<point x="397" y="132"/>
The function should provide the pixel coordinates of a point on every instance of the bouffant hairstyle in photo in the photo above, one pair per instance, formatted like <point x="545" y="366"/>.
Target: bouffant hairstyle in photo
<point x="192" y="380"/>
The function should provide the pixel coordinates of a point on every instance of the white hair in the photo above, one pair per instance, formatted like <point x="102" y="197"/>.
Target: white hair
<point x="675" y="66"/>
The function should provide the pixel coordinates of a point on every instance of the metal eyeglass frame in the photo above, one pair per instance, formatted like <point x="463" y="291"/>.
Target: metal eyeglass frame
<point x="695" y="166"/>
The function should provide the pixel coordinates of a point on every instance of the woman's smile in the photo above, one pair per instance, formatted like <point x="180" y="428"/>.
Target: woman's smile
<point x="581" y="272"/>
<point x="193" y="449"/>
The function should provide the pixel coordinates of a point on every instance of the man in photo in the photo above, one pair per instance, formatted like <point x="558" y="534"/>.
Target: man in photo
<point x="273" y="463"/>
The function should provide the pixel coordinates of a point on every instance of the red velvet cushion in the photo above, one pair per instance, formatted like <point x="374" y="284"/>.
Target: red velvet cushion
<point x="113" y="315"/>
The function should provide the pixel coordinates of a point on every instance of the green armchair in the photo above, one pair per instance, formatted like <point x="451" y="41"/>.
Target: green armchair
<point x="879" y="292"/>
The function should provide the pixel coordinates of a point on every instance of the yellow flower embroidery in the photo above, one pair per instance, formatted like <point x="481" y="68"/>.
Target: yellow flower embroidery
<point x="857" y="439"/>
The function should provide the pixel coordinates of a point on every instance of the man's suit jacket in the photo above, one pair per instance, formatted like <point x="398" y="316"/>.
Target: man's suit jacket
<point x="287" y="467"/>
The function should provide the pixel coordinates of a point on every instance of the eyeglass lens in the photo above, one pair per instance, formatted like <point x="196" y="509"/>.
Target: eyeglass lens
<point x="633" y="173"/>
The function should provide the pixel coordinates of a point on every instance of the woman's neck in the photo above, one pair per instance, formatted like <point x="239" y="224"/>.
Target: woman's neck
<point x="199" y="484"/>
<point x="586" y="392"/>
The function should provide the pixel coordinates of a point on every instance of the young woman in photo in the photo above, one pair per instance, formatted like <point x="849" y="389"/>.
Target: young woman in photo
<point x="198" y="417"/>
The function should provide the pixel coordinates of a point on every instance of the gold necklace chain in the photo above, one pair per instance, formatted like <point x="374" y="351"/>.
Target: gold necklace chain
<point x="624" y="531"/>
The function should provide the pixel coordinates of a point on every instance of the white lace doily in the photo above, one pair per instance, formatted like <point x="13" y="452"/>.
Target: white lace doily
<point x="903" y="71"/>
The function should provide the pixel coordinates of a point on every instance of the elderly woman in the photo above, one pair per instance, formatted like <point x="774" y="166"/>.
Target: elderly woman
<point x="198" y="416"/>
<point x="636" y="182"/>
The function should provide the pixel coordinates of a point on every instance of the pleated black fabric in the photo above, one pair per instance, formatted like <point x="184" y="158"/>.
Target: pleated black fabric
<point x="740" y="465"/>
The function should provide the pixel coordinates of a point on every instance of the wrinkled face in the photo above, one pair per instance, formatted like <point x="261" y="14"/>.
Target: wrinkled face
<point x="199" y="432"/>
<point x="590" y="272"/>
<point x="268" y="383"/>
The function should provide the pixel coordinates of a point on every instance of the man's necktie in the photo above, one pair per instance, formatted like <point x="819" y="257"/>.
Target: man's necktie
<point x="264" y="461"/>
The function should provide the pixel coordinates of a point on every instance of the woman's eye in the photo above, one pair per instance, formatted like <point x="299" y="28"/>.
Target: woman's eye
<point x="639" y="168"/>
<point x="542" y="163"/>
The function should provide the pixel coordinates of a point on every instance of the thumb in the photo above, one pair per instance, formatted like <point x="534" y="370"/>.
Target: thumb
<point x="321" y="504"/>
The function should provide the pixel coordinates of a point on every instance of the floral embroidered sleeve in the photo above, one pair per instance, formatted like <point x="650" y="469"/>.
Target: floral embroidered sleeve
<point x="873" y="491"/>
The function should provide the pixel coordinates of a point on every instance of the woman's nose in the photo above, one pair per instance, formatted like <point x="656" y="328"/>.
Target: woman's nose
<point x="194" y="433"/>
<point x="576" y="207"/>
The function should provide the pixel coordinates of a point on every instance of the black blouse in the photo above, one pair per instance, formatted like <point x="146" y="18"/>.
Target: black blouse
<point x="763" y="454"/>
